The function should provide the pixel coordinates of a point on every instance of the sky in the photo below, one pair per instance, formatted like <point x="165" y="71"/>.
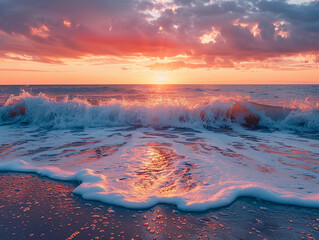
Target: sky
<point x="159" y="41"/>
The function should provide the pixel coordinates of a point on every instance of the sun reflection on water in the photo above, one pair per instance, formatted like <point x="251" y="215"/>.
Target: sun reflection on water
<point x="163" y="173"/>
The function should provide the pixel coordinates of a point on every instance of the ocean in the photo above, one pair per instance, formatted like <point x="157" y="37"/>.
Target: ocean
<point x="195" y="146"/>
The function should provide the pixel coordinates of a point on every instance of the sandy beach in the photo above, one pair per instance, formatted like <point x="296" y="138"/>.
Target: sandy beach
<point x="33" y="207"/>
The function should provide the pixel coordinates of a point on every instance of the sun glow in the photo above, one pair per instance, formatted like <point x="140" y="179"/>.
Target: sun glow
<point x="160" y="79"/>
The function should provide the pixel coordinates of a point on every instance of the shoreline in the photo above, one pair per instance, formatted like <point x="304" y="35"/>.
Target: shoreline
<point x="35" y="207"/>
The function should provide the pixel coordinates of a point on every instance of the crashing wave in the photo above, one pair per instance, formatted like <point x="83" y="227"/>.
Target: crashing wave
<point x="218" y="111"/>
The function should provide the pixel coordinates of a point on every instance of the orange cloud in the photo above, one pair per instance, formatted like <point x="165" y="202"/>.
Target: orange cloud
<point x="223" y="34"/>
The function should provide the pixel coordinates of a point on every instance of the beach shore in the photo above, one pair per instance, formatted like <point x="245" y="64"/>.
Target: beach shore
<point x="33" y="207"/>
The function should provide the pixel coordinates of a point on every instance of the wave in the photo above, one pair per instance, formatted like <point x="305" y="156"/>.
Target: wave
<point x="215" y="112"/>
<point x="95" y="187"/>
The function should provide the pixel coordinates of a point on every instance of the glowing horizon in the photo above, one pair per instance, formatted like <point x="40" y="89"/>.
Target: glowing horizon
<point x="159" y="42"/>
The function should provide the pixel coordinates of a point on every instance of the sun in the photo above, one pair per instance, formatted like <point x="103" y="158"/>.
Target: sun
<point x="160" y="79"/>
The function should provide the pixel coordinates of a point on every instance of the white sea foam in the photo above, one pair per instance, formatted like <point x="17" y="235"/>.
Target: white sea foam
<point x="191" y="168"/>
<point x="94" y="187"/>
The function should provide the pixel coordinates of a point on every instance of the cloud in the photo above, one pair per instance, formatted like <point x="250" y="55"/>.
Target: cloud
<point x="218" y="33"/>
<point x="20" y="70"/>
<point x="175" y="66"/>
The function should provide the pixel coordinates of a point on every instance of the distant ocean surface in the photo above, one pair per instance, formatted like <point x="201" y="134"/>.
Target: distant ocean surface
<point x="195" y="146"/>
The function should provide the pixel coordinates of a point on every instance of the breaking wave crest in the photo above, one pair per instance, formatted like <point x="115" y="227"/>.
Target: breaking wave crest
<point x="218" y="111"/>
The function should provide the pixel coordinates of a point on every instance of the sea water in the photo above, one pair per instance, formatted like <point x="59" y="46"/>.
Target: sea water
<point x="195" y="146"/>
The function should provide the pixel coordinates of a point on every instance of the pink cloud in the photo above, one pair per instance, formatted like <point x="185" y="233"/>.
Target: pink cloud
<point x="220" y="34"/>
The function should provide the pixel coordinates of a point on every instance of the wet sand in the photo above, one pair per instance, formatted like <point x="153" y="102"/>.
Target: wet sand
<point x="33" y="207"/>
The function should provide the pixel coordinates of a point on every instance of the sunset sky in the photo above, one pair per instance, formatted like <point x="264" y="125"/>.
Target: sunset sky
<point x="159" y="41"/>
